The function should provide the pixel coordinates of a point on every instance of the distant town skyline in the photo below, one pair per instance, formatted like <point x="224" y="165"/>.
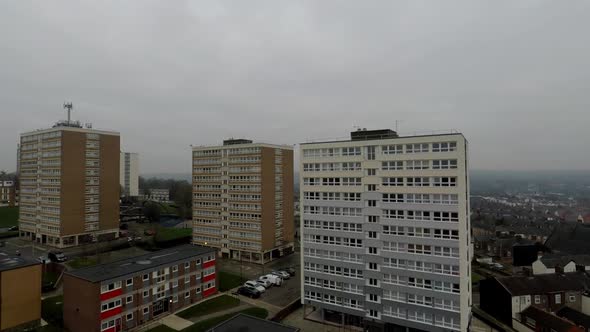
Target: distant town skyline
<point x="512" y="77"/>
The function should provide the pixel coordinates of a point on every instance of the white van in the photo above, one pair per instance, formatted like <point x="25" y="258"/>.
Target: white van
<point x="275" y="280"/>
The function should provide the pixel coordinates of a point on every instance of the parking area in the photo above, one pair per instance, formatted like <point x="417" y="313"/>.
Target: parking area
<point x="277" y="296"/>
<point x="283" y="295"/>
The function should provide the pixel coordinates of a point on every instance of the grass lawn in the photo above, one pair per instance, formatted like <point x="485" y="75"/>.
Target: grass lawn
<point x="52" y="310"/>
<point x="209" y="323"/>
<point x="228" y="281"/>
<point x="8" y="217"/>
<point x="217" y="304"/>
<point x="161" y="328"/>
<point x="167" y="209"/>
<point x="49" y="328"/>
<point x="4" y="235"/>
<point x="168" y="233"/>
<point x="476" y="277"/>
<point x="80" y="262"/>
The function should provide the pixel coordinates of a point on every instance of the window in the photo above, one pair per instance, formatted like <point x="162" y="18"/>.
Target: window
<point x="146" y="293"/>
<point x="444" y="147"/>
<point x="129" y="316"/>
<point x="372" y="203"/>
<point x="373" y="282"/>
<point x="444" y="181"/>
<point x="198" y="261"/>
<point x="537" y="299"/>
<point x="371" y="187"/>
<point x="417" y="164"/>
<point x="187" y="265"/>
<point x="373" y="218"/>
<point x="572" y="298"/>
<point x="393" y="198"/>
<point x="129" y="282"/>
<point x="146" y="277"/>
<point x="175" y="268"/>
<point x="351" y="151"/>
<point x="372" y="235"/>
<point x="392" y="165"/>
<point x="418" y="182"/>
<point x="371" y="172"/>
<point x="175" y="298"/>
<point x="187" y="295"/>
<point x="107" y="325"/>
<point x="444" y="164"/>
<point x="373" y="298"/>
<point x="373" y="266"/>
<point x="373" y="313"/>
<point x="198" y="290"/>
<point x="372" y="250"/>
<point x="175" y="284"/>
<point x="417" y="148"/>
<point x="187" y="280"/>
<point x="370" y="152"/>
<point x="109" y="287"/>
<point x="129" y="299"/>
<point x="395" y="182"/>
<point x="392" y="149"/>
<point x="146" y="310"/>
<point x="110" y="305"/>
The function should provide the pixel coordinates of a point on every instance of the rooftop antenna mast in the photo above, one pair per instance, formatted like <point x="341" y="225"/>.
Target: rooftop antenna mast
<point x="69" y="107"/>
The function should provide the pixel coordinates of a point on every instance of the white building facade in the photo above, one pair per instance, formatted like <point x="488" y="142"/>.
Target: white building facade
<point x="385" y="231"/>
<point x="129" y="174"/>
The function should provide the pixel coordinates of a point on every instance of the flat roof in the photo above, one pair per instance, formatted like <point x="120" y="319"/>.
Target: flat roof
<point x="66" y="128"/>
<point x="384" y="139"/>
<point x="247" y="323"/>
<point x="140" y="263"/>
<point x="241" y="146"/>
<point x="11" y="262"/>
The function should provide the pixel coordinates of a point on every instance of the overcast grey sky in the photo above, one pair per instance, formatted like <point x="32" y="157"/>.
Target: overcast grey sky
<point x="513" y="76"/>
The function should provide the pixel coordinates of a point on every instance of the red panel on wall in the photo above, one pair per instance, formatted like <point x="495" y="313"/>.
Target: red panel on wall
<point x="112" y="329"/>
<point x="208" y="264"/>
<point x="111" y="313"/>
<point x="209" y="277"/>
<point x="111" y="294"/>
<point x="209" y="292"/>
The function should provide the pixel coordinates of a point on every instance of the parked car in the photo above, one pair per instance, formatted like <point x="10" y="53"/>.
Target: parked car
<point x="255" y="285"/>
<point x="13" y="228"/>
<point x="497" y="266"/>
<point x="265" y="282"/>
<point x="284" y="275"/>
<point x="275" y="280"/>
<point x="133" y="238"/>
<point x="57" y="256"/>
<point x="291" y="271"/>
<point x="249" y="291"/>
<point x="44" y="259"/>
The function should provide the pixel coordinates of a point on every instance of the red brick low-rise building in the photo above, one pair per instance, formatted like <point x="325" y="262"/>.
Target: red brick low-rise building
<point x="126" y="294"/>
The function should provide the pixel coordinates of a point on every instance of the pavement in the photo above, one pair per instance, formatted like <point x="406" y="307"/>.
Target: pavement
<point x="240" y="307"/>
<point x="175" y="322"/>
<point x="297" y="319"/>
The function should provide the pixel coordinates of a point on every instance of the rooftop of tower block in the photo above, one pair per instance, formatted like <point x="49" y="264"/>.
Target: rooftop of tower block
<point x="362" y="134"/>
<point x="235" y="141"/>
